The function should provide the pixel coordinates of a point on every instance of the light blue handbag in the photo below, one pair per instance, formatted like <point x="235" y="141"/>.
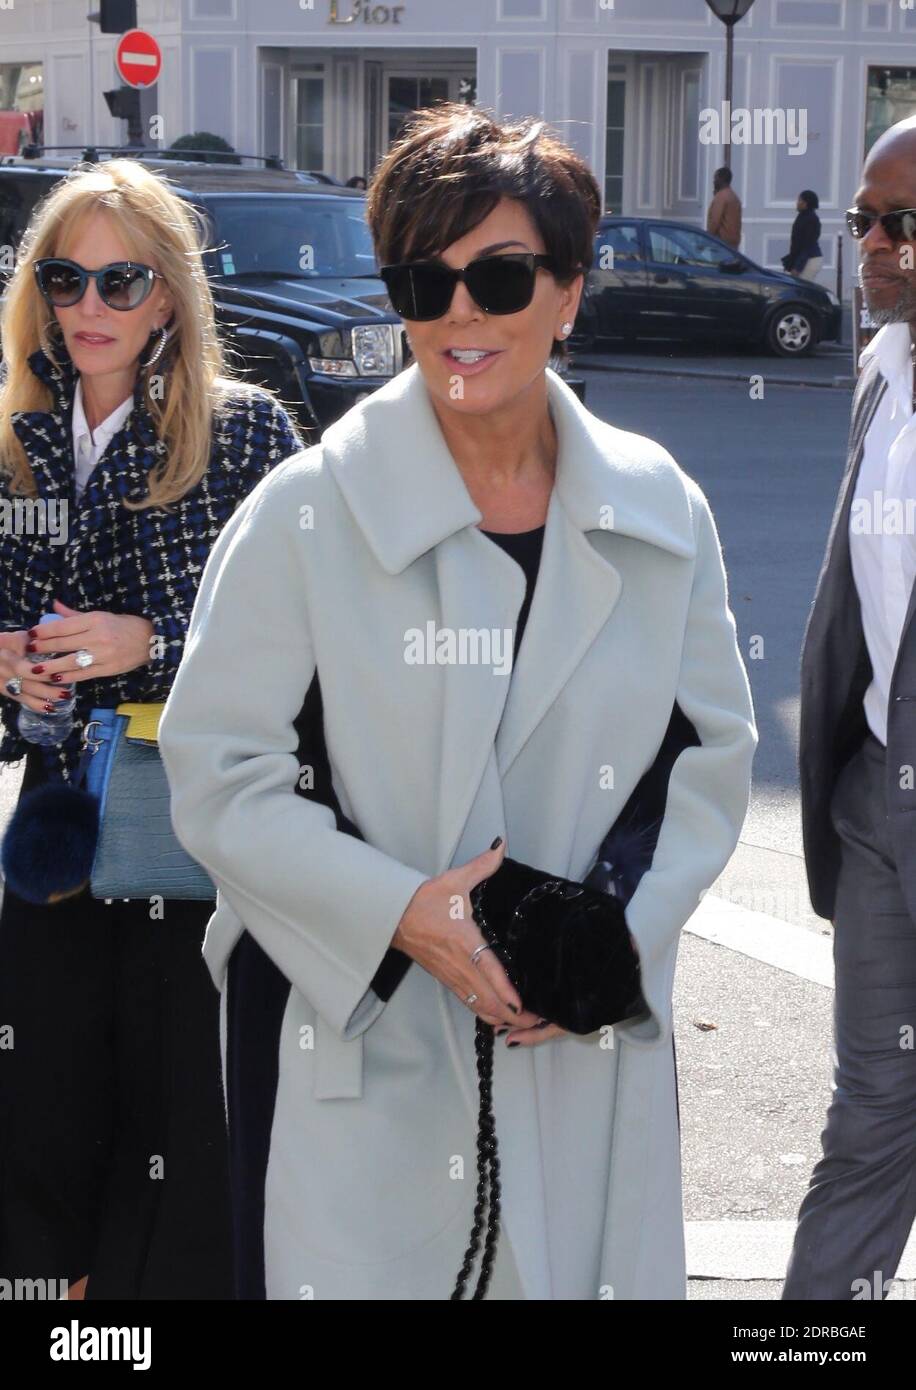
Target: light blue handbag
<point x="138" y="853"/>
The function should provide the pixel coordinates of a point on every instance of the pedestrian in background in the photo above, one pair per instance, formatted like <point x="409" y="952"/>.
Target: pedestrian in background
<point x="724" y="216"/>
<point x="116" y="405"/>
<point x="804" y="257"/>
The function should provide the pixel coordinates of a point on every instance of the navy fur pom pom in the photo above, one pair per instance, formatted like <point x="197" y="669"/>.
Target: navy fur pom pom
<point x="50" y="843"/>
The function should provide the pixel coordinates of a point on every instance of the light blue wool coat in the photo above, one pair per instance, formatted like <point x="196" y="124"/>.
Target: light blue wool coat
<point x="333" y="560"/>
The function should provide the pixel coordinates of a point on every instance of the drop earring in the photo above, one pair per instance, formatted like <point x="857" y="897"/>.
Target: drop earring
<point x="160" y="348"/>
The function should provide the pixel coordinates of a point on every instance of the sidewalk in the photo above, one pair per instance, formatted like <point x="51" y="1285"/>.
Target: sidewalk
<point x="830" y="365"/>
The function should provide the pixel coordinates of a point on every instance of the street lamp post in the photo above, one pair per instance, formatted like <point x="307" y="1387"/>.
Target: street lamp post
<point x="730" y="12"/>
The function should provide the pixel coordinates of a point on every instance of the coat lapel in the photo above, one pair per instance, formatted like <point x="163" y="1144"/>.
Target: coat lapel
<point x="47" y="438"/>
<point x="399" y="479"/>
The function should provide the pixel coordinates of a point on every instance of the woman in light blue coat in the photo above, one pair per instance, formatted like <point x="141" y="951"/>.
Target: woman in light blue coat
<point x="359" y="732"/>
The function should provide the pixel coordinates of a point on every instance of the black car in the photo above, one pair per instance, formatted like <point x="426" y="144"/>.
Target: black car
<point x="654" y="278"/>
<point x="292" y="269"/>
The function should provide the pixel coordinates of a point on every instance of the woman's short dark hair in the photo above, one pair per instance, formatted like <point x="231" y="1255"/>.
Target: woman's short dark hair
<point x="448" y="170"/>
<point x="810" y="198"/>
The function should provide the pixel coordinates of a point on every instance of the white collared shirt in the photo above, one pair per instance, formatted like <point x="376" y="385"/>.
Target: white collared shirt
<point x="89" y="445"/>
<point x="882" y="544"/>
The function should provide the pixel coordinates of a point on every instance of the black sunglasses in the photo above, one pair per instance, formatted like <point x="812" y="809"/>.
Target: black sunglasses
<point x="121" y="285"/>
<point x="899" y="225"/>
<point x="423" y="290"/>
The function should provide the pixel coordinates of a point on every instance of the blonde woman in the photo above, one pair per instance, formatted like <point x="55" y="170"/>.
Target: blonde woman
<point x="121" y="428"/>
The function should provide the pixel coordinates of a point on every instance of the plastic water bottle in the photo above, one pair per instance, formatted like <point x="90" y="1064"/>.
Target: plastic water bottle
<point x="46" y="729"/>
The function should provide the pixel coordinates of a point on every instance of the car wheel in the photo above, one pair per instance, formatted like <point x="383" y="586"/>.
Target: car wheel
<point x="791" y="331"/>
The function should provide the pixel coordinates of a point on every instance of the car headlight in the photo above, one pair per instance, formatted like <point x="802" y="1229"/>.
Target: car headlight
<point x="372" y="347"/>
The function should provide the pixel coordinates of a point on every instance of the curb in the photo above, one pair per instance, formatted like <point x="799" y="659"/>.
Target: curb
<point x="715" y="374"/>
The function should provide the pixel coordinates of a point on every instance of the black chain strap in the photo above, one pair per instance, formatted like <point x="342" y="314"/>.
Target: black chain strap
<point x="487" y="1146"/>
<point x="487" y="1172"/>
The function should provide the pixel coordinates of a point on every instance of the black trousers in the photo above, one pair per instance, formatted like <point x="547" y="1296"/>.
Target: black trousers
<point x="113" y="1150"/>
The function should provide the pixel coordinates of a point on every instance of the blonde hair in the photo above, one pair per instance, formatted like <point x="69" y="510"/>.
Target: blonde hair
<point x="156" y="225"/>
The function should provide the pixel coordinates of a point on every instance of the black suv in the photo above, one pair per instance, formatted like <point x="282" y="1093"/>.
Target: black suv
<point x="292" y="269"/>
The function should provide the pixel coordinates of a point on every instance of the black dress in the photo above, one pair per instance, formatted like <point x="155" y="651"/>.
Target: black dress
<point x="113" y="1148"/>
<point x="524" y="547"/>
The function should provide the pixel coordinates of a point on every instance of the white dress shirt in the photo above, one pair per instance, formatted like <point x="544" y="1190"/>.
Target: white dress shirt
<point x="89" y="445"/>
<point x="881" y="519"/>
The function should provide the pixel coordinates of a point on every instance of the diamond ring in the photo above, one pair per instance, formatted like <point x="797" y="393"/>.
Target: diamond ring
<point x="83" y="658"/>
<point x="14" y="685"/>
<point x="471" y="999"/>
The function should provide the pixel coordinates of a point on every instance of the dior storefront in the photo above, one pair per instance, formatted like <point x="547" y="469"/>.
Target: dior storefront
<point x="635" y="85"/>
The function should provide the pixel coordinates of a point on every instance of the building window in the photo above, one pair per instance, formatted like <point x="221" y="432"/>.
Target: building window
<point x="613" y="154"/>
<point x="408" y="94"/>
<point x="308" y="109"/>
<point x="891" y="97"/>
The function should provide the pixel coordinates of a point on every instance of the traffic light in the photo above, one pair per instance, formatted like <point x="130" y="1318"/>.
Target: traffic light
<point x="117" y="16"/>
<point x="124" y="104"/>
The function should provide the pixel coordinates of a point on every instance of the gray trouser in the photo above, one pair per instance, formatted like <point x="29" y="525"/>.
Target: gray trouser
<point x="857" y="1213"/>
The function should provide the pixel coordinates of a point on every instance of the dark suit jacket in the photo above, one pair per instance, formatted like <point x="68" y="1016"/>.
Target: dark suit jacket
<point x="835" y="673"/>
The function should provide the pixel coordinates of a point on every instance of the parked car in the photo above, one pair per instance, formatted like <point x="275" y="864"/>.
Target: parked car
<point x="654" y="278"/>
<point x="292" y="268"/>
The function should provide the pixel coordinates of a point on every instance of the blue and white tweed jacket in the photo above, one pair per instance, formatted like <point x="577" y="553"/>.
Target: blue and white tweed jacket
<point x="146" y="562"/>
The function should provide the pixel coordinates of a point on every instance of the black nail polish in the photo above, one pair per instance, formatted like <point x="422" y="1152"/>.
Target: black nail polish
<point x="513" y="1044"/>
<point x="513" y="1008"/>
<point x="504" y="1029"/>
<point x="497" y="842"/>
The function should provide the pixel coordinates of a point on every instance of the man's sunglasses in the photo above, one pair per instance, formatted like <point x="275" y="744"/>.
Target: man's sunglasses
<point x="899" y="225"/>
<point x="423" y="290"/>
<point x="121" y="285"/>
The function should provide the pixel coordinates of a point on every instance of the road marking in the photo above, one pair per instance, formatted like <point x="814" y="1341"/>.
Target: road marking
<point x="736" y="1250"/>
<point x="769" y="939"/>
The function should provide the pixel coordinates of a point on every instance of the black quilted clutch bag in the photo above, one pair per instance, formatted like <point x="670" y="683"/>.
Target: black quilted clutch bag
<point x="565" y="947"/>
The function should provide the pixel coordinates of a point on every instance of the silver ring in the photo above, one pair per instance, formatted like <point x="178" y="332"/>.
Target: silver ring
<point x="83" y="658"/>
<point x="471" y="999"/>
<point x="479" y="951"/>
<point x="14" y="685"/>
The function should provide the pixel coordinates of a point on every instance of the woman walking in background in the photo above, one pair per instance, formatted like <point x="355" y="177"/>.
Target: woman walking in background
<point x="804" y="257"/>
<point x="116" y="406"/>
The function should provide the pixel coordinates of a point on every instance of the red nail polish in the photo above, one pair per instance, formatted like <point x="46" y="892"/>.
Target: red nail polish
<point x="65" y="695"/>
<point x="49" y="707"/>
<point x="57" y="677"/>
<point x="31" y="647"/>
<point x="37" y="670"/>
<point x="33" y="633"/>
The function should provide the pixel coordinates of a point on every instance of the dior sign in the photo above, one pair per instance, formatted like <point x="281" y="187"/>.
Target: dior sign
<point x="363" y="11"/>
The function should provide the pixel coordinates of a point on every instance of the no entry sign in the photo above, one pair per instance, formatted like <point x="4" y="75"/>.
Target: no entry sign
<point x="138" y="58"/>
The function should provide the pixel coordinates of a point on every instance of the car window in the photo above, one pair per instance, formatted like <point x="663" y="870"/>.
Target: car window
<point x="287" y="235"/>
<point x="680" y="246"/>
<point x="623" y="239"/>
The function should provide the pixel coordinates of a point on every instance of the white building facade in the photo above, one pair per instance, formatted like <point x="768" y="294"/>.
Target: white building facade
<point x="327" y="83"/>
